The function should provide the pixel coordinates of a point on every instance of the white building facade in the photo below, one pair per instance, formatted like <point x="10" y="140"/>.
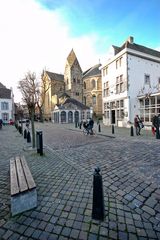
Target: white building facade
<point x="6" y="104"/>
<point x="131" y="84"/>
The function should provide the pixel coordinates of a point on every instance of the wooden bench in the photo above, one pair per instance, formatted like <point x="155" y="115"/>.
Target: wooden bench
<point x="23" y="187"/>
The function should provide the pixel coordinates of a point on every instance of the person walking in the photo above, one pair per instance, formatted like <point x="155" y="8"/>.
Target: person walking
<point x="90" y="125"/>
<point x="137" y="125"/>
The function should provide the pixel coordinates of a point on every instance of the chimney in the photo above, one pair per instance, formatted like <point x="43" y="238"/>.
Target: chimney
<point x="130" y="39"/>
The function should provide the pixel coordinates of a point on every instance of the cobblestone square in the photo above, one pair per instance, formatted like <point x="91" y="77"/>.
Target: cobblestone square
<point x="130" y="168"/>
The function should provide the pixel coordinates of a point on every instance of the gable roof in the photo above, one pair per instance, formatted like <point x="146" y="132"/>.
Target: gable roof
<point x="55" y="76"/>
<point x="138" y="48"/>
<point x="93" y="71"/>
<point x="4" y="92"/>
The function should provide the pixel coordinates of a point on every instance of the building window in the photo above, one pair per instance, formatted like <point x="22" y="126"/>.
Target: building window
<point x="94" y="99"/>
<point x="116" y="64"/>
<point x="4" y="106"/>
<point x="84" y="99"/>
<point x="147" y="79"/>
<point x="77" y="93"/>
<point x="74" y="80"/>
<point x="119" y="62"/>
<point x="93" y="84"/>
<point x="84" y="85"/>
<point x="5" y="117"/>
<point x="121" y="103"/>
<point x="106" y="89"/>
<point x="105" y="71"/>
<point x="119" y="84"/>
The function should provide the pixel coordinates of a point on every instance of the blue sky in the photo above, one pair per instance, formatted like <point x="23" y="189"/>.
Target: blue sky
<point x="111" y="19"/>
<point x="39" y="34"/>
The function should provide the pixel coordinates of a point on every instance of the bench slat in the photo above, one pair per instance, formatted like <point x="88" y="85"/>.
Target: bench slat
<point x="21" y="177"/>
<point x="29" y="178"/>
<point x="13" y="178"/>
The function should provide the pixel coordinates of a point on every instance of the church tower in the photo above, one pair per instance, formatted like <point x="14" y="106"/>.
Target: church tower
<point x="73" y="77"/>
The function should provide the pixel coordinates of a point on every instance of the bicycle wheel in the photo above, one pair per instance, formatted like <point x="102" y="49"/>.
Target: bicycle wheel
<point x="85" y="132"/>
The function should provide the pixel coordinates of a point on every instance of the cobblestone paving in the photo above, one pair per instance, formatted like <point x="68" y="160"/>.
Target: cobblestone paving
<point x="130" y="170"/>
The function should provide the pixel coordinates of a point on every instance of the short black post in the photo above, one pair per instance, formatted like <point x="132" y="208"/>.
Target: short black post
<point x="80" y="125"/>
<point x="25" y="133"/>
<point x="38" y="140"/>
<point x="28" y="137"/>
<point x="99" y="127"/>
<point x="98" y="199"/>
<point x="112" y="129"/>
<point x="132" y="132"/>
<point x="40" y="143"/>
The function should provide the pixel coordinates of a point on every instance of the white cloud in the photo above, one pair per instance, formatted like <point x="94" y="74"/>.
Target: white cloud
<point x="33" y="38"/>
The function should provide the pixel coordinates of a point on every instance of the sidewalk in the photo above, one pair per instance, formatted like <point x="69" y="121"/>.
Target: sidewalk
<point x="64" y="188"/>
<point x="118" y="131"/>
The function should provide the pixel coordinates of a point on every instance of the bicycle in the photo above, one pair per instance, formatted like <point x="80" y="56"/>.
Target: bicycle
<point x="88" y="131"/>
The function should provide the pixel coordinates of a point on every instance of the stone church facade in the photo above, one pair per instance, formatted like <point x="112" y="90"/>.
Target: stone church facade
<point x="76" y="85"/>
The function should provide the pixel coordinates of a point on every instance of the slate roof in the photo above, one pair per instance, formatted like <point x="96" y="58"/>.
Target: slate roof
<point x="77" y="103"/>
<point x="138" y="48"/>
<point x="4" y="92"/>
<point x="74" y="102"/>
<point x="93" y="71"/>
<point x="1" y="85"/>
<point x="71" y="57"/>
<point x="55" y="76"/>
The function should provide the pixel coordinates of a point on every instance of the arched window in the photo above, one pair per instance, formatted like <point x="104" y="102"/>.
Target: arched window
<point x="63" y="116"/>
<point x="94" y="99"/>
<point x="84" y="85"/>
<point x="84" y="100"/>
<point x="93" y="83"/>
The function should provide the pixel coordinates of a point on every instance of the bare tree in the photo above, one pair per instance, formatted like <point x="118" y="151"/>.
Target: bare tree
<point x="29" y="88"/>
<point x="44" y="86"/>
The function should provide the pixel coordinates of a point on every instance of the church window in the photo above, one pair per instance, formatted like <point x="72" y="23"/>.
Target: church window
<point x="94" y="99"/>
<point x="93" y="83"/>
<point x="74" y="80"/>
<point x="84" y="85"/>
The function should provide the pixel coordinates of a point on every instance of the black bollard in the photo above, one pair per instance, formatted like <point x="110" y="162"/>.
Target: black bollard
<point x="112" y="129"/>
<point x="98" y="199"/>
<point x="99" y="128"/>
<point x="39" y="146"/>
<point x="80" y="125"/>
<point x="28" y="137"/>
<point x="40" y="143"/>
<point x="25" y="133"/>
<point x="132" y="132"/>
